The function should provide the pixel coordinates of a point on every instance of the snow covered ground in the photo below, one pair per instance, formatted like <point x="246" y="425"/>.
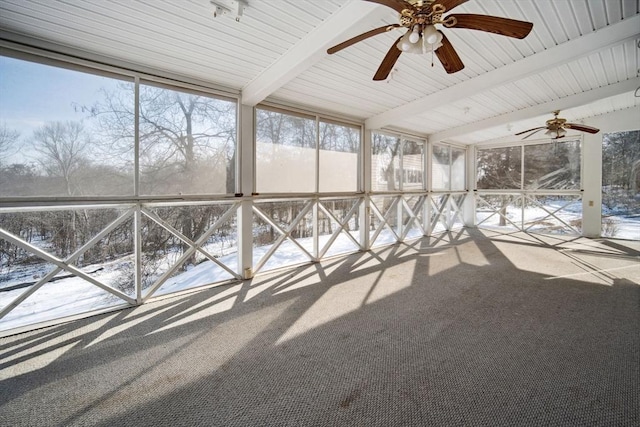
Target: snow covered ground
<point x="73" y="295"/>
<point x="568" y="220"/>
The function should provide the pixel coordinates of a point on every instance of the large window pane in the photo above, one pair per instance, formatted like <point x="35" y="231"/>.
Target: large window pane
<point x="621" y="185"/>
<point x="412" y="165"/>
<point x="552" y="166"/>
<point x="187" y="143"/>
<point x="385" y="161"/>
<point x="499" y="168"/>
<point x="440" y="167"/>
<point x="285" y="153"/>
<point x="57" y="137"/>
<point x="458" y="168"/>
<point x="339" y="151"/>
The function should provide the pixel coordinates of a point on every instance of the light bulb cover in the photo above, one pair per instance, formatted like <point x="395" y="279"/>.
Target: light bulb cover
<point x="405" y="44"/>
<point x="414" y="37"/>
<point x="431" y="35"/>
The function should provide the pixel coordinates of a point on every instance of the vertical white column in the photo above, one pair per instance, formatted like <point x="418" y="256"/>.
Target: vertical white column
<point x="428" y="204"/>
<point x="246" y="177"/>
<point x="365" y="180"/>
<point x="592" y="185"/>
<point x="399" y="210"/>
<point x="137" y="217"/>
<point x="469" y="204"/>
<point x="314" y="209"/>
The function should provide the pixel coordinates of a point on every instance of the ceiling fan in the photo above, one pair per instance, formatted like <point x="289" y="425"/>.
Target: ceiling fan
<point x="419" y="18"/>
<point x="557" y="127"/>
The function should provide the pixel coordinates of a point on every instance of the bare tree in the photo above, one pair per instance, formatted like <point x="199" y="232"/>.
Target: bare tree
<point x="62" y="147"/>
<point x="8" y="138"/>
<point x="181" y="136"/>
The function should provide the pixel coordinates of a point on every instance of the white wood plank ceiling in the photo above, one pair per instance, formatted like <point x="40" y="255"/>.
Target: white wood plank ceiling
<point x="583" y="56"/>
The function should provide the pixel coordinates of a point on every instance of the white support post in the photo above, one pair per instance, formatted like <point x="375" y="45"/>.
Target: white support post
<point x="399" y="222"/>
<point x="469" y="204"/>
<point x="365" y="177"/>
<point x="246" y="186"/>
<point x="316" y="230"/>
<point x="137" y="218"/>
<point x="137" y="241"/>
<point x="592" y="185"/>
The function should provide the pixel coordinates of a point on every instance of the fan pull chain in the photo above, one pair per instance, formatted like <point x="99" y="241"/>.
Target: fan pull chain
<point x="431" y="57"/>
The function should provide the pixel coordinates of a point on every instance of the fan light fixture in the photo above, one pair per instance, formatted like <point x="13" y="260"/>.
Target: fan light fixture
<point x="419" y="18"/>
<point x="556" y="133"/>
<point x="418" y="40"/>
<point x="557" y="128"/>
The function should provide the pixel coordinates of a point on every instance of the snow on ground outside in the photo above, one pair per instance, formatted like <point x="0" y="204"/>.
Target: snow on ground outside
<point x="627" y="227"/>
<point x="74" y="295"/>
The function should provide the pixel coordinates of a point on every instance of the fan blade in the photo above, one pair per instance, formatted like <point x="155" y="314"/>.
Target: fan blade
<point x="529" y="130"/>
<point x="450" y="4"/>
<point x="536" y="130"/>
<point x="581" y="128"/>
<point x="361" y="37"/>
<point x="492" y="24"/>
<point x="388" y="62"/>
<point x="397" y="5"/>
<point x="448" y="56"/>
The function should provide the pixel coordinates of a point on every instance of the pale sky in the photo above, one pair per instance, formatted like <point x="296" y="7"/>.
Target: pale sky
<point x="33" y="94"/>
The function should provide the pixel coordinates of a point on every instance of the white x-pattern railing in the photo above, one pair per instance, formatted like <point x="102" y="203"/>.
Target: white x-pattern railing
<point x="530" y="211"/>
<point x="351" y="223"/>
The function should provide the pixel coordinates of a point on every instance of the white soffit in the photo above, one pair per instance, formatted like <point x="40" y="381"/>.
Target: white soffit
<point x="310" y="49"/>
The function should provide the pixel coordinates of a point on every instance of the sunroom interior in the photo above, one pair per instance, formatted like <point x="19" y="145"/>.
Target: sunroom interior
<point x="207" y="153"/>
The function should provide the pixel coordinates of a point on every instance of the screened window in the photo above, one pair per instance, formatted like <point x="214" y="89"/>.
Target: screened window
<point x="52" y="142"/>
<point x="285" y="152"/>
<point x="440" y="167"/>
<point x="552" y="166"/>
<point x="621" y="185"/>
<point x="339" y="153"/>
<point x="458" y="169"/>
<point x="499" y="168"/>
<point x="549" y="166"/>
<point x="396" y="164"/>
<point x="385" y="160"/>
<point x="68" y="133"/>
<point x="412" y="165"/>
<point x="187" y="142"/>
<point x="448" y="168"/>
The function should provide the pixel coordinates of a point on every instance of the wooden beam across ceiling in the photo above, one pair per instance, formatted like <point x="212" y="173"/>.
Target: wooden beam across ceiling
<point x="531" y="65"/>
<point x="351" y="18"/>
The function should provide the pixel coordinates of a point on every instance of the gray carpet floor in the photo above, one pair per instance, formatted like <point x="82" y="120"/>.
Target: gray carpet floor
<point x="470" y="328"/>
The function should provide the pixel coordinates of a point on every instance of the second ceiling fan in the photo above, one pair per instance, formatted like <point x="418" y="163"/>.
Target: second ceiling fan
<point x="420" y="17"/>
<point x="557" y="127"/>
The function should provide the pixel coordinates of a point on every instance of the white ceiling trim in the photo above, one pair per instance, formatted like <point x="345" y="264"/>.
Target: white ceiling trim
<point x="540" y="109"/>
<point x="310" y="49"/>
<point x="531" y="65"/>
